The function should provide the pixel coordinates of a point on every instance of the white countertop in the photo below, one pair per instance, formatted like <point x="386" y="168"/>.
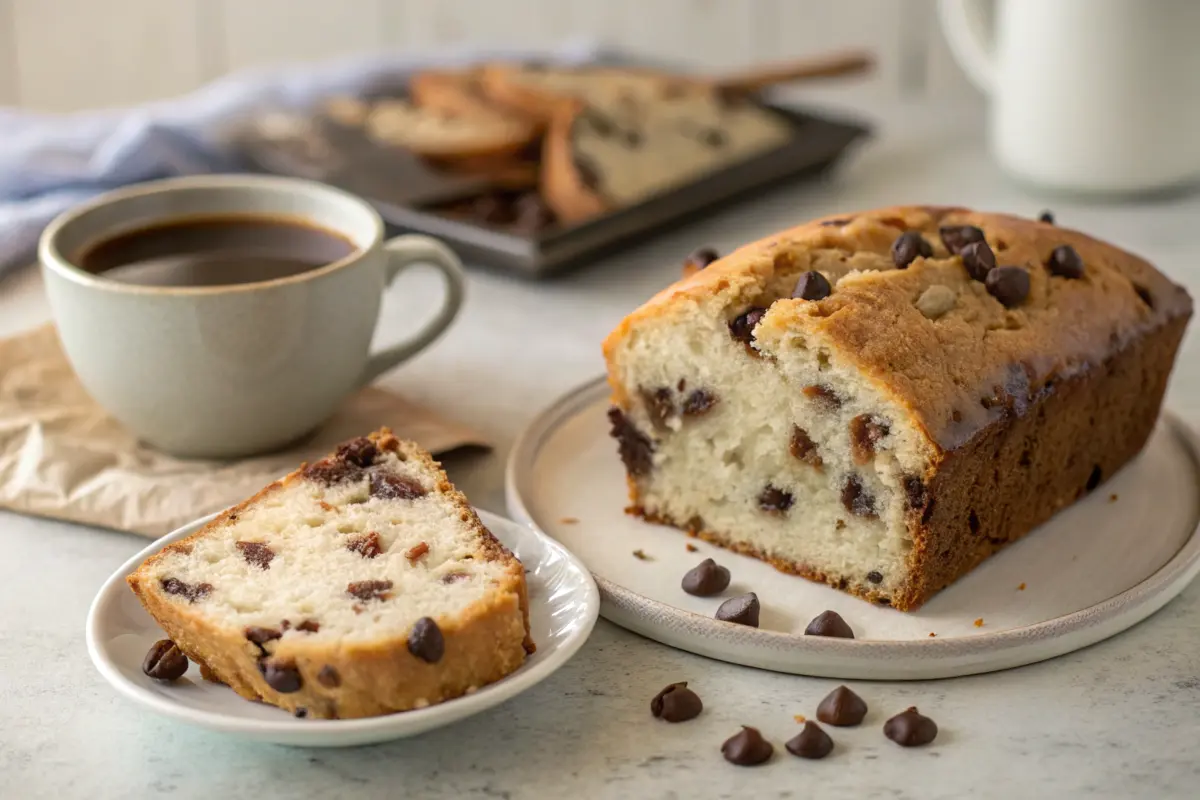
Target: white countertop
<point x="1118" y="720"/>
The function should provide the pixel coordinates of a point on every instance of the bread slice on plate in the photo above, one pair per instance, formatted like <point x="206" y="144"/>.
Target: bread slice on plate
<point x="882" y="400"/>
<point x="359" y="585"/>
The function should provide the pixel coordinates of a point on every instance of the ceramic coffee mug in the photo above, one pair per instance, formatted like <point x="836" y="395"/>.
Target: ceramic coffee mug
<point x="1087" y="96"/>
<point x="226" y="371"/>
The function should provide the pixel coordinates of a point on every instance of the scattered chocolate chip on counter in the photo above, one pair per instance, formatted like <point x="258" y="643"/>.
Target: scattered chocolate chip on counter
<point x="742" y="610"/>
<point x="1010" y="285"/>
<point x="640" y="555"/>
<point x="706" y="579"/>
<point x="165" y="661"/>
<point x="829" y="623"/>
<point x="908" y="247"/>
<point x="910" y="728"/>
<point x="812" y="285"/>
<point x="747" y="748"/>
<point x="812" y="742"/>
<point x="842" y="708"/>
<point x="676" y="703"/>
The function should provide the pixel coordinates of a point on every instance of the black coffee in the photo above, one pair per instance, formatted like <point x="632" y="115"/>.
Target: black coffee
<point x="214" y="251"/>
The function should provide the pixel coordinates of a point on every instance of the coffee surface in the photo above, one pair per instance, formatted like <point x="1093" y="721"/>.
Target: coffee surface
<point x="214" y="251"/>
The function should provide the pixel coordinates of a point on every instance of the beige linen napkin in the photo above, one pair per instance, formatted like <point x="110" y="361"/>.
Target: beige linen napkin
<point x="63" y="456"/>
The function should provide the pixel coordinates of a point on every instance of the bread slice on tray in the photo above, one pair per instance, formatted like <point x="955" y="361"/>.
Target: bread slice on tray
<point x="360" y="585"/>
<point x="882" y="400"/>
<point x="434" y="133"/>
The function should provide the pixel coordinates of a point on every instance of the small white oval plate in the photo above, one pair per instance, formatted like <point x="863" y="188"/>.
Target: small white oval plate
<point x="1094" y="570"/>
<point x="563" y="606"/>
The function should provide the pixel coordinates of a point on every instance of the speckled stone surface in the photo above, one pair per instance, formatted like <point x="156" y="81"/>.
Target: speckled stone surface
<point x="1117" y="720"/>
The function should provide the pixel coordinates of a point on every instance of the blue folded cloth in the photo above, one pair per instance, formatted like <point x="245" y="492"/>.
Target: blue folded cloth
<point x="50" y="162"/>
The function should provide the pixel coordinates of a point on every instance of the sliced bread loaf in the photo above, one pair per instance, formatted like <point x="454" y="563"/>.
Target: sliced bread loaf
<point x="359" y="585"/>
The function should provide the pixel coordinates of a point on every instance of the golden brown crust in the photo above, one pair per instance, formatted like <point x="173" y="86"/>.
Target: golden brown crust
<point x="487" y="641"/>
<point x="462" y="92"/>
<point x="939" y="372"/>
<point x="562" y="185"/>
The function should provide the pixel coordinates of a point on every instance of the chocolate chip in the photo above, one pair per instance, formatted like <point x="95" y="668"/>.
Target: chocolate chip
<point x="775" y="501"/>
<point x="192" y="592"/>
<point x="914" y="490"/>
<point x="1009" y="285"/>
<point x="260" y="636"/>
<point x="698" y="403"/>
<point x="532" y="213"/>
<point x="300" y="712"/>
<point x="309" y="626"/>
<point x="866" y="431"/>
<point x="453" y="577"/>
<point x="282" y="677"/>
<point x="256" y="554"/>
<point x="660" y="405"/>
<point x="387" y="486"/>
<point x="676" y="703"/>
<point x="979" y="260"/>
<point x="856" y="499"/>
<point x="824" y="396"/>
<point x="812" y="285"/>
<point x="1094" y="479"/>
<point x="956" y="237"/>
<point x="803" y="448"/>
<point x="1065" y="262"/>
<point x="636" y="450"/>
<point x="910" y="729"/>
<point x="811" y="742"/>
<point x="829" y="623"/>
<point x="331" y="472"/>
<point x="1046" y="217"/>
<point x="706" y="579"/>
<point x="425" y="641"/>
<point x="842" y="708"/>
<point x="701" y="258"/>
<point x="747" y="748"/>
<point x="329" y="677"/>
<point x="713" y="137"/>
<point x="367" y="546"/>
<point x="588" y="174"/>
<point x="742" y="328"/>
<point x="907" y="247"/>
<point x="360" y="452"/>
<point x="370" y="590"/>
<point x="633" y="138"/>
<point x="1144" y="295"/>
<point x="742" y="609"/>
<point x="165" y="661"/>
<point x="875" y="576"/>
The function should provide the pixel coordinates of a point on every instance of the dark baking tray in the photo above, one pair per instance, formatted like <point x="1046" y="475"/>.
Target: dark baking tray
<point x="818" y="144"/>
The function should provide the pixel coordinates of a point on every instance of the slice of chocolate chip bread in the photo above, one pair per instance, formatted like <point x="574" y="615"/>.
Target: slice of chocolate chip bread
<point x="882" y="400"/>
<point x="359" y="585"/>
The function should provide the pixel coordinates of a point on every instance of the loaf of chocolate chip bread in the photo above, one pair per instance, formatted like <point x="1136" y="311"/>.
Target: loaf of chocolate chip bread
<point x="357" y="586"/>
<point x="880" y="401"/>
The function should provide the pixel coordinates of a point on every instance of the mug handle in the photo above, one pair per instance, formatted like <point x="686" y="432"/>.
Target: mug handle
<point x="404" y="252"/>
<point x="968" y="28"/>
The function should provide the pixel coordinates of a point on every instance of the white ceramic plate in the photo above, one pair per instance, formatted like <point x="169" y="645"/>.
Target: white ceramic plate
<point x="563" y="606"/>
<point x="1094" y="570"/>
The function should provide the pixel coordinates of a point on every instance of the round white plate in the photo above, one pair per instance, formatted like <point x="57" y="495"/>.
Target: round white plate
<point x="563" y="606"/>
<point x="1094" y="570"/>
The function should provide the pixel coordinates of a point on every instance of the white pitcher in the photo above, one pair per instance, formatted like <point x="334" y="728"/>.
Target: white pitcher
<point x="1088" y="96"/>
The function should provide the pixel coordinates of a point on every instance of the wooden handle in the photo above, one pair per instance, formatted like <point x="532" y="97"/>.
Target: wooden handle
<point x="829" y="66"/>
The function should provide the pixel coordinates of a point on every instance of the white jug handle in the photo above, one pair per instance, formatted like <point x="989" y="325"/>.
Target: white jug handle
<point x="968" y="28"/>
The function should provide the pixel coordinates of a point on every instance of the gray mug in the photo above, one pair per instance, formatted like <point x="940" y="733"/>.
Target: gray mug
<point x="227" y="371"/>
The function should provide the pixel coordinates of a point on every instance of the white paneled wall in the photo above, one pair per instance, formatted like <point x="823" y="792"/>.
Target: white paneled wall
<point x="69" y="54"/>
